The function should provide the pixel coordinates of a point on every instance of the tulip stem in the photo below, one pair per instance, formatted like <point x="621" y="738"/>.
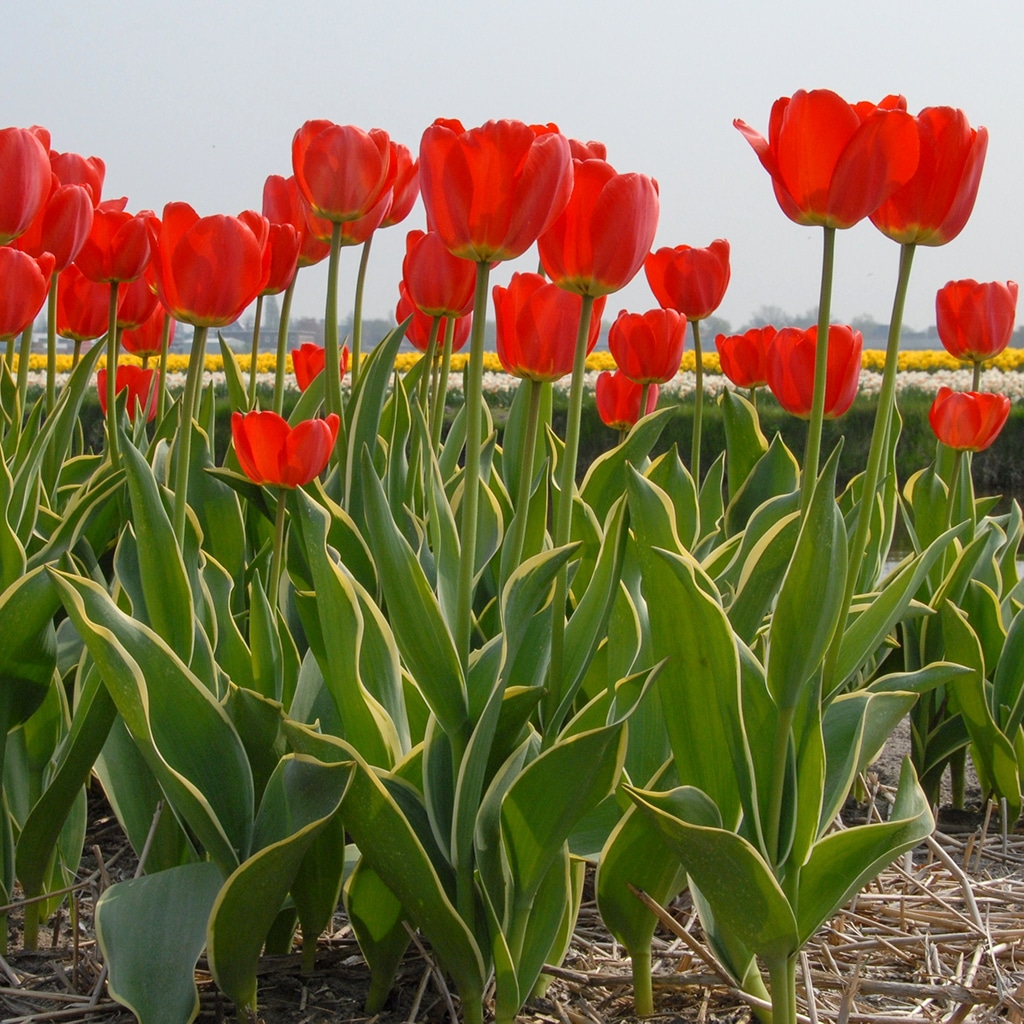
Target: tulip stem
<point x="112" y="338"/>
<point x="332" y="357"/>
<point x="563" y="518"/>
<point x="428" y="359"/>
<point x="51" y="344"/>
<point x="522" y="511"/>
<point x="876" y="453"/>
<point x="811" y="455"/>
<point x="254" y="357"/>
<point x="357" y="311"/>
<point x="281" y="363"/>
<point x="440" y="399"/>
<point x="645" y="390"/>
<point x="183" y="445"/>
<point x="976" y="379"/>
<point x="277" y="561"/>
<point x="698" y="407"/>
<point x="161" y="400"/>
<point x="471" y="473"/>
<point x="24" y="358"/>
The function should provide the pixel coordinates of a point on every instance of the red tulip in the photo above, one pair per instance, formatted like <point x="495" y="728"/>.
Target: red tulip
<point x="933" y="207"/>
<point x="117" y="248"/>
<point x="283" y="204"/>
<point x="491" y="191"/>
<point x="148" y="338"/>
<point x="141" y="385"/>
<point x="789" y="367"/>
<point x="537" y="322"/>
<point x="968" y="421"/>
<point x="73" y="169"/>
<point x="83" y="306"/>
<point x="24" y="285"/>
<point x="598" y="243"/>
<point x="975" y="321"/>
<point x="648" y="347"/>
<point x="406" y="185"/>
<point x="272" y="452"/>
<point x="136" y="303"/>
<point x="26" y="176"/>
<point x="587" y="150"/>
<point x="341" y="170"/>
<point x="438" y="283"/>
<point x="832" y="162"/>
<point x="284" y="243"/>
<point x="208" y="269"/>
<point x="418" y="331"/>
<point x="61" y="226"/>
<point x="743" y="356"/>
<point x="689" y="280"/>
<point x="618" y="399"/>
<point x="308" y="363"/>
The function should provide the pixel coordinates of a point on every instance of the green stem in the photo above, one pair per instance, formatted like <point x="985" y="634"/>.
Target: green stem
<point x="428" y="363"/>
<point x="976" y="380"/>
<point x="698" y="408"/>
<point x="782" y="978"/>
<point x="643" y="991"/>
<point x="645" y="391"/>
<point x="812" y="454"/>
<point x="112" y="339"/>
<point x="471" y="474"/>
<point x="161" y="399"/>
<point x="51" y="345"/>
<point x="780" y="754"/>
<point x="954" y="481"/>
<point x="282" y="346"/>
<point x="440" y="400"/>
<point x="24" y="358"/>
<point x="876" y="453"/>
<point x="332" y="356"/>
<point x="522" y="512"/>
<point x="277" y="562"/>
<point x="76" y="354"/>
<point x="563" y="518"/>
<point x="9" y="354"/>
<point x="254" y="357"/>
<point x="196" y="361"/>
<point x="357" y="311"/>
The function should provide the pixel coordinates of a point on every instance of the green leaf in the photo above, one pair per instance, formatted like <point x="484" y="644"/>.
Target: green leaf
<point x="1008" y="679"/>
<point x="238" y="390"/>
<point x="152" y="970"/>
<point x="745" y="444"/>
<point x="669" y="473"/>
<point x="775" y="474"/>
<point x="712" y="508"/>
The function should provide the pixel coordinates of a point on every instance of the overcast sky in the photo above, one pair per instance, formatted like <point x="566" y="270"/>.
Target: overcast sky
<point x="198" y="101"/>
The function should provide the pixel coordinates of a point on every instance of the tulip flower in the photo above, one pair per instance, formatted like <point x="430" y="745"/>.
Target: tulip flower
<point x="82" y="306"/>
<point x="599" y="242"/>
<point x="136" y="303"/>
<point x="975" y="321"/>
<point x="832" y="162"/>
<point x="618" y="400"/>
<point x="933" y="206"/>
<point x="147" y="340"/>
<point x="26" y="176"/>
<point x="743" y="356"/>
<point x="537" y="323"/>
<point x="24" y="284"/>
<point x="308" y="363"/>
<point x="438" y="283"/>
<point x="421" y="326"/>
<point x="406" y="186"/>
<point x="117" y="248"/>
<point x="342" y="171"/>
<point x="579" y="150"/>
<point x="283" y="204"/>
<point x="61" y="226"/>
<point x="491" y="191"/>
<point x="968" y="421"/>
<point x="142" y="387"/>
<point x="272" y="452"/>
<point x="72" y="169"/>
<point x="648" y="347"/>
<point x="790" y="365"/>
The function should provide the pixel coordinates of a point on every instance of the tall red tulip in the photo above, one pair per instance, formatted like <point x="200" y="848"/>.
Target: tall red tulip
<point x="618" y="400"/>
<point x="968" y="421"/>
<point x="284" y="243"/>
<point x="147" y="340"/>
<point x="142" y="387"/>
<point x="341" y="170"/>
<point x="743" y="357"/>
<point x="208" y="269"/>
<point x="26" y="176"/>
<point x="73" y="169"/>
<point x="599" y="242"/>
<point x="932" y="208"/>
<point x="438" y="283"/>
<point x="975" y="321"/>
<point x="283" y="204"/>
<point x="418" y="331"/>
<point x="117" y="248"/>
<point x="61" y="226"/>
<point x="83" y="306"/>
<point x="272" y="452"/>
<point x="308" y="363"/>
<point x="136" y="303"/>
<point x="690" y="280"/>
<point x="406" y="185"/>
<point x="491" y="191"/>
<point x="832" y="162"/>
<point x="790" y="369"/>
<point x="24" y="285"/>
<point x="537" y="322"/>
<point x="648" y="347"/>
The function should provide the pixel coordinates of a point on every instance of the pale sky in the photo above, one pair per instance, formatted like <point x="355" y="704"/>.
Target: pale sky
<point x="198" y="101"/>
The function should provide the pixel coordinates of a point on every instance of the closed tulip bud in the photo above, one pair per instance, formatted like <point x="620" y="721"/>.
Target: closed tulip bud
<point x="648" y="347"/>
<point x="308" y="363"/>
<point x="790" y="369"/>
<point x="690" y="280"/>
<point x="743" y="357"/>
<point x="618" y="400"/>
<point x="24" y="285"/>
<point x="968" y="421"/>
<point x="418" y="331"/>
<point x="26" y="176"/>
<point x="975" y="321"/>
<point x="270" y="451"/>
<point x="83" y="306"/>
<point x="142" y="387"/>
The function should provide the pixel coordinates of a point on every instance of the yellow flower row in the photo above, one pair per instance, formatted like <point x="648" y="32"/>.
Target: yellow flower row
<point x="873" y="359"/>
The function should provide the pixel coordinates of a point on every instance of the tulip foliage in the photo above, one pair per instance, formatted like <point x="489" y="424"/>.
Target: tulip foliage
<point x="432" y="674"/>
